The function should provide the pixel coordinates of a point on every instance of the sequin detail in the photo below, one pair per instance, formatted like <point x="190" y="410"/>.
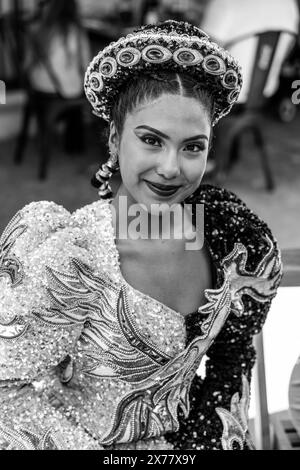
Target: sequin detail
<point x="106" y="364"/>
<point x="22" y="439"/>
<point x="14" y="329"/>
<point x="172" y="47"/>
<point x="115" y="347"/>
<point x="235" y="422"/>
<point x="261" y="284"/>
<point x="228" y="223"/>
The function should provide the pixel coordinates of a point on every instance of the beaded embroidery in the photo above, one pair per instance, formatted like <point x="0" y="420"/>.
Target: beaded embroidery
<point x="171" y="46"/>
<point x="115" y="347"/>
<point x="235" y="422"/>
<point x="13" y="329"/>
<point x="24" y="439"/>
<point x="9" y="264"/>
<point x="128" y="356"/>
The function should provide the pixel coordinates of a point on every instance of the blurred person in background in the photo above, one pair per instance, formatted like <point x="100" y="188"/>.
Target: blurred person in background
<point x="60" y="49"/>
<point x="58" y="52"/>
<point x="98" y="8"/>
<point x="227" y="21"/>
<point x="180" y="10"/>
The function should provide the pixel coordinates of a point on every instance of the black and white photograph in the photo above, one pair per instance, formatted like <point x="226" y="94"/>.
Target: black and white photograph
<point x="149" y="227"/>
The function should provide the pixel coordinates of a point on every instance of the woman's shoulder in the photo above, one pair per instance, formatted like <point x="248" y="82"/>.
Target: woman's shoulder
<point x="37" y="245"/>
<point x="216" y="195"/>
<point x="43" y="223"/>
<point x="228" y="221"/>
<point x="32" y="225"/>
<point x="45" y="229"/>
<point x="95" y="213"/>
<point x="94" y="228"/>
<point x="41" y="238"/>
<point x="228" y="212"/>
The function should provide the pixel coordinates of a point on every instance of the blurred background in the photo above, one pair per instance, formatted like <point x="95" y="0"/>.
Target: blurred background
<point x="51" y="144"/>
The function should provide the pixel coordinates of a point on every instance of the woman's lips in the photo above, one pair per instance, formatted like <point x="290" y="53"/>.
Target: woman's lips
<point x="162" y="189"/>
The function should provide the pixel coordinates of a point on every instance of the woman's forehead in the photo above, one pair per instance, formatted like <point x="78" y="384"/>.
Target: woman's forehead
<point x="169" y="111"/>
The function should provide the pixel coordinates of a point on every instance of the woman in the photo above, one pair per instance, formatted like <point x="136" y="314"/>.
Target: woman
<point x="58" y="54"/>
<point x="103" y="331"/>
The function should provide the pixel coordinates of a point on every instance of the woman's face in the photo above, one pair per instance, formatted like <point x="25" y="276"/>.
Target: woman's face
<point x="163" y="150"/>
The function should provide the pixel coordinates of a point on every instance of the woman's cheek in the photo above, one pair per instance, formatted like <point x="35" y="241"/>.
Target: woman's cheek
<point x="195" y="169"/>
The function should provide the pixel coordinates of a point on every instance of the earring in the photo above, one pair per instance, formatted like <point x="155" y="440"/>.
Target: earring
<point x="105" y="172"/>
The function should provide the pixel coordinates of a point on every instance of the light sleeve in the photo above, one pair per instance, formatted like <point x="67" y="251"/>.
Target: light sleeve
<point x="38" y="240"/>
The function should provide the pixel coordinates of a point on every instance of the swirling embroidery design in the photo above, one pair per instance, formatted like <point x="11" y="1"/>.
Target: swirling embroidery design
<point x="12" y="267"/>
<point x="23" y="439"/>
<point x="114" y="347"/>
<point x="235" y="422"/>
<point x="9" y="264"/>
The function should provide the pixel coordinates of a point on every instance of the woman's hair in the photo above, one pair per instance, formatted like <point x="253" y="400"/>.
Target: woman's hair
<point x="151" y="86"/>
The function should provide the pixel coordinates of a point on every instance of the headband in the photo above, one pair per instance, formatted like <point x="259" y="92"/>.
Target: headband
<point x="169" y="46"/>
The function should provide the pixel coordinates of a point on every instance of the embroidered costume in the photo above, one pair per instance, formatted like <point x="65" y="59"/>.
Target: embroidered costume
<point x="89" y="362"/>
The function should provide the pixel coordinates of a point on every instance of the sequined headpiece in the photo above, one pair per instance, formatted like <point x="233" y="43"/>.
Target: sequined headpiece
<point x="169" y="46"/>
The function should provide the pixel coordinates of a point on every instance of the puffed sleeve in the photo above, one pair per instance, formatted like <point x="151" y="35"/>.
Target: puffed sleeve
<point x="39" y="239"/>
<point x="219" y="402"/>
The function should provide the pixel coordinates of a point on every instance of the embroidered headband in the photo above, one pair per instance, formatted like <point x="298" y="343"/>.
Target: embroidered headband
<point x="169" y="46"/>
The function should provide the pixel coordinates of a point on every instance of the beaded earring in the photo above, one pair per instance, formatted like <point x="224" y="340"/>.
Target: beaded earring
<point x="101" y="179"/>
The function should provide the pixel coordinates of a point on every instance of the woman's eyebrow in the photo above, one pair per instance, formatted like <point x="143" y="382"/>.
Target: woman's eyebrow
<point x="161" y="134"/>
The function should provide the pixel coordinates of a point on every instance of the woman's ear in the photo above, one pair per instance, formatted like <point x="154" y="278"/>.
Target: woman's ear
<point x="113" y="140"/>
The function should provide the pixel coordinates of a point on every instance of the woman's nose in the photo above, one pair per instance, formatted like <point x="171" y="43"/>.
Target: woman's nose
<point x="168" y="166"/>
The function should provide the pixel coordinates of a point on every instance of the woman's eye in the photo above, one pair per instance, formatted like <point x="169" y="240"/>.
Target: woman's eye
<point x="150" y="140"/>
<point x="195" y="148"/>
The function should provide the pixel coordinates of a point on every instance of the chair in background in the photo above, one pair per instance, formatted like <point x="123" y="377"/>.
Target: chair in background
<point x="46" y="108"/>
<point x="247" y="117"/>
<point x="275" y="431"/>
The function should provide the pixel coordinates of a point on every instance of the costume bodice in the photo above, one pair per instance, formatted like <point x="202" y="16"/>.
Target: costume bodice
<point x="75" y="336"/>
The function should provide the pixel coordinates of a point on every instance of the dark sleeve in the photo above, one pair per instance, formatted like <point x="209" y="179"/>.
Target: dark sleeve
<point x="232" y="355"/>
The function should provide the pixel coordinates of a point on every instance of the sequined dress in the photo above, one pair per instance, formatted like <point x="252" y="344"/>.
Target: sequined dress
<point x="89" y="362"/>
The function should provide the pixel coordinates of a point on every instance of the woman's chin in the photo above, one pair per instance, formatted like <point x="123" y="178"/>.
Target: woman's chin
<point x="150" y="200"/>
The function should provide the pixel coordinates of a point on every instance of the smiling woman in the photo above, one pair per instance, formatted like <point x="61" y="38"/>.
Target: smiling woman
<point x="164" y="146"/>
<point x="101" y="336"/>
